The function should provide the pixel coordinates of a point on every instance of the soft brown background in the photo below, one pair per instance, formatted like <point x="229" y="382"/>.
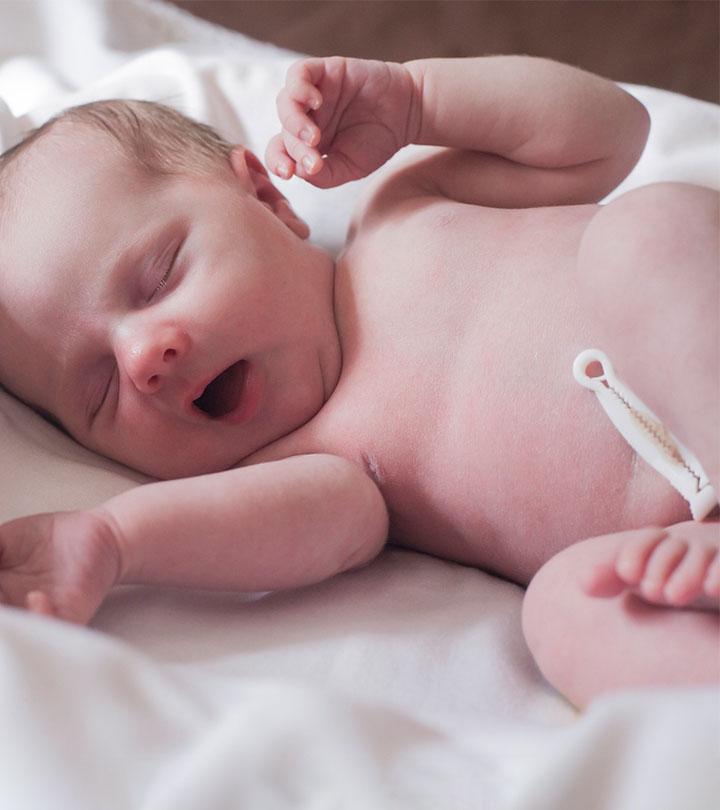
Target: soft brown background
<point x="663" y="43"/>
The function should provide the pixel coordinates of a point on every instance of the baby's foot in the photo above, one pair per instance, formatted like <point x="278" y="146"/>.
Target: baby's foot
<point x="678" y="566"/>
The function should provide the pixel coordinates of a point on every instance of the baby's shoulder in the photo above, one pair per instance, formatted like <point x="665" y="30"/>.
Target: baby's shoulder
<point x="393" y="192"/>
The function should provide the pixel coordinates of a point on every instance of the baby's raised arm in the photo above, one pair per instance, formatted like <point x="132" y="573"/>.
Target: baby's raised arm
<point x="521" y="131"/>
<point x="269" y="526"/>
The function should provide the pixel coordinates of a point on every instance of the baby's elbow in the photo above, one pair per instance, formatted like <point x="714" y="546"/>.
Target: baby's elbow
<point x="641" y="125"/>
<point x="372" y="523"/>
<point x="366" y="517"/>
<point x="635" y="131"/>
<point x="632" y="128"/>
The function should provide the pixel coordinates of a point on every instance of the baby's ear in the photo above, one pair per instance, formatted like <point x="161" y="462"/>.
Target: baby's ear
<point x="253" y="175"/>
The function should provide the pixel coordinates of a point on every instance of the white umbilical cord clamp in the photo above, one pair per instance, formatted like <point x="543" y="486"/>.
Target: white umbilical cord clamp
<point x="646" y="434"/>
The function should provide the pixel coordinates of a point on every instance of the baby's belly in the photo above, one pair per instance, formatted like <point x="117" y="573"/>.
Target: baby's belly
<point x="457" y="392"/>
<point x="505" y="493"/>
<point x="517" y="488"/>
<point x="523" y="461"/>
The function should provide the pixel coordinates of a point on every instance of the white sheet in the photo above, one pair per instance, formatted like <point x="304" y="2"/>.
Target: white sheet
<point x="402" y="685"/>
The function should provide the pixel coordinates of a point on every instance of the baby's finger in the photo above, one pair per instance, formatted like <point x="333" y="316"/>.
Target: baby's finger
<point x="277" y="158"/>
<point x="302" y="78"/>
<point x="39" y="602"/>
<point x="307" y="160"/>
<point x="294" y="119"/>
<point x="303" y="92"/>
<point x="334" y="170"/>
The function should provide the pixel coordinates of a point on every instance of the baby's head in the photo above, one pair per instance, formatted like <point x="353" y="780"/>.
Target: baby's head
<point x="158" y="298"/>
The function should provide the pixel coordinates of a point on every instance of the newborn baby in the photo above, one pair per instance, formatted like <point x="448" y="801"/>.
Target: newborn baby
<point x="160" y="302"/>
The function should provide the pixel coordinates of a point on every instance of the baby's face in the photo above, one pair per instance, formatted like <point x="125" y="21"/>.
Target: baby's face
<point x="174" y="324"/>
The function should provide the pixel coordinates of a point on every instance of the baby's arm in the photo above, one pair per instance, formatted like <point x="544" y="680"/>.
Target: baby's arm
<point x="532" y="131"/>
<point x="276" y="525"/>
<point x="516" y="131"/>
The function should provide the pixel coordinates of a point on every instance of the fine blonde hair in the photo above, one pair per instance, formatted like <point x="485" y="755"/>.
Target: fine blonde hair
<point x="158" y="139"/>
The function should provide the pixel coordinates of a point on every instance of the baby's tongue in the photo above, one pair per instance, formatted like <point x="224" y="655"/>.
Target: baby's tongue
<point x="222" y="395"/>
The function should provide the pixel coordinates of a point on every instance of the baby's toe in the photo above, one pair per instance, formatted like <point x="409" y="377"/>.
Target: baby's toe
<point x="711" y="583"/>
<point x="663" y="561"/>
<point x="602" y="580"/>
<point x="686" y="582"/>
<point x="633" y="556"/>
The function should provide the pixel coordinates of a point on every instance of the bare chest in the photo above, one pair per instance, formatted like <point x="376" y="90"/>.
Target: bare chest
<point x="459" y="327"/>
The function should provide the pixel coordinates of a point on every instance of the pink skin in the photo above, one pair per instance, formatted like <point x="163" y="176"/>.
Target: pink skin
<point x="244" y="301"/>
<point x="244" y="285"/>
<point x="92" y="312"/>
<point x="625" y="636"/>
<point x="678" y="566"/>
<point x="342" y="119"/>
<point x="60" y="564"/>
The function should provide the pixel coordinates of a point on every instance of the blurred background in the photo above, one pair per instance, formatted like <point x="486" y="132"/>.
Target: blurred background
<point x="673" y="44"/>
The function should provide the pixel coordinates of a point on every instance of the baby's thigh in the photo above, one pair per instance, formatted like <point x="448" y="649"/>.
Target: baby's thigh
<point x="673" y="216"/>
<point x="652" y="254"/>
<point x="649" y="274"/>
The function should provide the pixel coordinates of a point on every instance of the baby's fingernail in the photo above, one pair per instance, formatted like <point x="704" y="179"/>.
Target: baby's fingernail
<point x="315" y="102"/>
<point x="307" y="136"/>
<point x="309" y="163"/>
<point x="284" y="169"/>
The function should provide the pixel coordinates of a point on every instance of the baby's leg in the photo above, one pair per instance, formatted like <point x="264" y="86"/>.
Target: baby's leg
<point x="585" y="645"/>
<point x="648" y="266"/>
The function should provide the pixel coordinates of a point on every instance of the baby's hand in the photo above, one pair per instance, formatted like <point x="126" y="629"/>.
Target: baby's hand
<point x="342" y="119"/>
<point x="58" y="564"/>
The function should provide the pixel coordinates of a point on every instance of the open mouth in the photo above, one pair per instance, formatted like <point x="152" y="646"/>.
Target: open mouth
<point x="223" y="394"/>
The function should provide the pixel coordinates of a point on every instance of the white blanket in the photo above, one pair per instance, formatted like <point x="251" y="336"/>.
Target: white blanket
<point x="402" y="685"/>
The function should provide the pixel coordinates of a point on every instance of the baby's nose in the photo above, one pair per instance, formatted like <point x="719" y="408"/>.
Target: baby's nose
<point x="151" y="356"/>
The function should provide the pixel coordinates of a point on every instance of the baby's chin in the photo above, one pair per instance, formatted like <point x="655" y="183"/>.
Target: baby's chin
<point x="184" y="467"/>
<point x="166" y="467"/>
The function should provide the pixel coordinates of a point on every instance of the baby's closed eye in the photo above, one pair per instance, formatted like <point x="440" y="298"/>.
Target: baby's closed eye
<point x="164" y="268"/>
